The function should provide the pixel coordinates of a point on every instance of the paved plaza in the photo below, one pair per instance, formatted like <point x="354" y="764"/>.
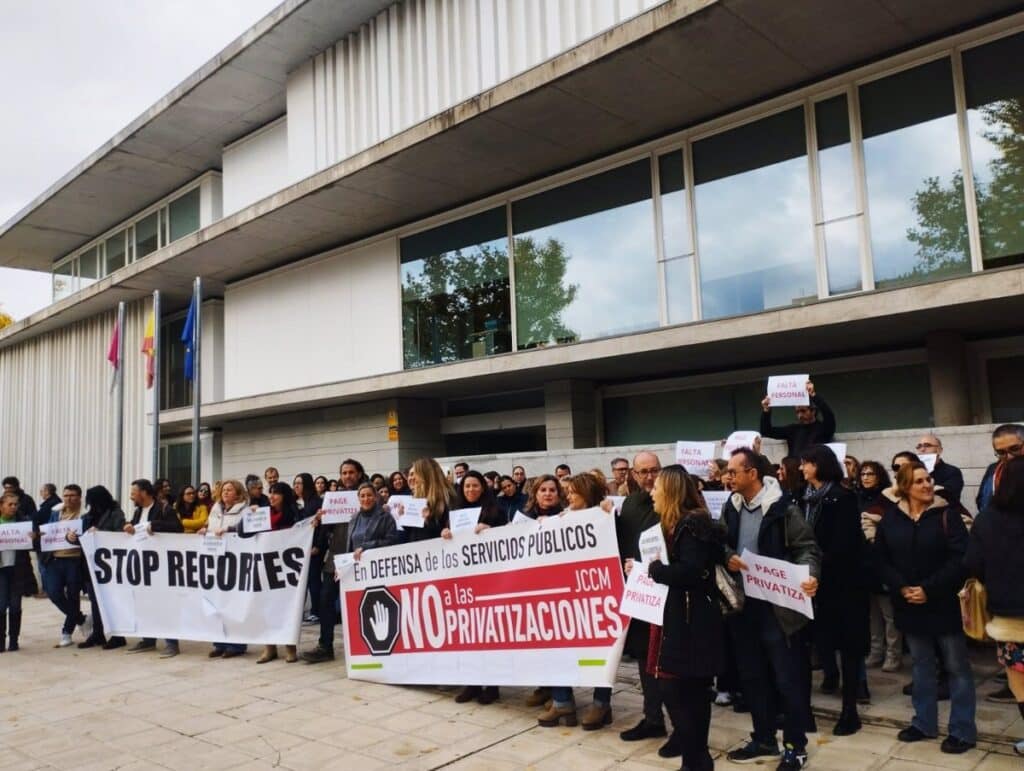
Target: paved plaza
<point x="92" y="709"/>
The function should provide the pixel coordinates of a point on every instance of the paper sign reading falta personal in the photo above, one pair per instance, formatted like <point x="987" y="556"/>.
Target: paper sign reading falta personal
<point x="339" y="507"/>
<point x="53" y="536"/>
<point x="695" y="456"/>
<point x="777" y="582"/>
<point x="738" y="439"/>
<point x="788" y="391"/>
<point x="16" y="536"/>
<point x="715" y="499"/>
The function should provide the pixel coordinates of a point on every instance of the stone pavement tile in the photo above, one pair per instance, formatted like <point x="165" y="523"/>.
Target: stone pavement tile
<point x="524" y="749"/>
<point x="726" y="737"/>
<point x="636" y="765"/>
<point x="146" y="740"/>
<point x="994" y="762"/>
<point x="369" y="711"/>
<point x="59" y="740"/>
<point x="606" y="741"/>
<point x="477" y="763"/>
<point x="494" y="715"/>
<point x="445" y="732"/>
<point x="94" y="754"/>
<point x="408" y="721"/>
<point x="896" y="764"/>
<point x="188" y="754"/>
<point x="312" y="757"/>
<point x="255" y="707"/>
<point x="649" y="756"/>
<point x="929" y="752"/>
<point x="400" y="748"/>
<point x="577" y="759"/>
<point x="11" y="758"/>
<point x="118" y="762"/>
<point x="881" y="741"/>
<point x="356" y="736"/>
<point x="845" y="759"/>
<point x="195" y="721"/>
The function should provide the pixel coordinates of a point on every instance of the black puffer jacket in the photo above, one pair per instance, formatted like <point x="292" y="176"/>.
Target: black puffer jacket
<point x="995" y="555"/>
<point x="636" y="516"/>
<point x="928" y="553"/>
<point x="693" y="633"/>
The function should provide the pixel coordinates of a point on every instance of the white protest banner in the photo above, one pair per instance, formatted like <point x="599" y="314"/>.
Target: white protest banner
<point x="788" y="390"/>
<point x="617" y="501"/>
<point x="463" y="520"/>
<point x="715" y="499"/>
<point x="739" y="439"/>
<point x="695" y="456"/>
<point x="170" y="587"/>
<point x="256" y="520"/>
<point x="54" y="535"/>
<point x="215" y="544"/>
<point x="512" y="606"/>
<point x="928" y="459"/>
<point x="643" y="598"/>
<point x="652" y="545"/>
<point x="839" y="450"/>
<point x="339" y="507"/>
<point x="407" y="511"/>
<point x="777" y="582"/>
<point x="16" y="536"/>
<point x="521" y="519"/>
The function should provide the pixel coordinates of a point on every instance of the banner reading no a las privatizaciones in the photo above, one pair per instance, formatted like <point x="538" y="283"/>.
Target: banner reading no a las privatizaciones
<point x="249" y="590"/>
<point x="524" y="604"/>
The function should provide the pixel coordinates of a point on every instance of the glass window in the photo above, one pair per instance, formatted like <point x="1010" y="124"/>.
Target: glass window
<point x="840" y="218"/>
<point x="184" y="213"/>
<point x="1005" y="394"/>
<point x="677" y="247"/>
<point x="175" y="390"/>
<point x="146" y="240"/>
<point x="115" y="252"/>
<point x="753" y="209"/>
<point x="89" y="267"/>
<point x="176" y="464"/>
<point x="914" y="180"/>
<point x="994" y="82"/>
<point x="585" y="259"/>
<point x="63" y="280"/>
<point x="455" y="291"/>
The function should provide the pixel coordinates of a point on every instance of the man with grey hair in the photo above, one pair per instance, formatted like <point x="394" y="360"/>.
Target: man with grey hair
<point x="946" y="475"/>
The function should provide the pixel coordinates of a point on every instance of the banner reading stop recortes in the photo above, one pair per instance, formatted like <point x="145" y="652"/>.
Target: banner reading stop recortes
<point x="243" y="590"/>
<point x="535" y="603"/>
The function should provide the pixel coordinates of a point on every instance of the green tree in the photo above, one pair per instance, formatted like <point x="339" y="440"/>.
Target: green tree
<point x="542" y="294"/>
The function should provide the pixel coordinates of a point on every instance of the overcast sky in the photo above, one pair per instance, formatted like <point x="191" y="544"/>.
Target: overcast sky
<point x="77" y="71"/>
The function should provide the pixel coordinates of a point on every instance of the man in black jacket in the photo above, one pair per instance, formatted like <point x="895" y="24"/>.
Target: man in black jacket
<point x="808" y="430"/>
<point x="156" y="517"/>
<point x="946" y="475"/>
<point x="636" y="516"/>
<point x="48" y="496"/>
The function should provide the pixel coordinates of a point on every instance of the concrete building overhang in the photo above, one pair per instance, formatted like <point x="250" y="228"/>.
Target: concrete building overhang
<point x="676" y="65"/>
<point x="183" y="134"/>
<point x="980" y="305"/>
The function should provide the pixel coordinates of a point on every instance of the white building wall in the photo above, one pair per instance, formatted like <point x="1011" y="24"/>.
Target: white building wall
<point x="256" y="166"/>
<point x="335" y="318"/>
<point x="420" y="57"/>
<point x="57" y="408"/>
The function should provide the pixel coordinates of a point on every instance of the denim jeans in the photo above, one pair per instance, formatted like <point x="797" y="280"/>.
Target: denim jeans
<point x="953" y="648"/>
<point x="773" y="668"/>
<point x="562" y="696"/>
<point x="234" y="647"/>
<point x="64" y="588"/>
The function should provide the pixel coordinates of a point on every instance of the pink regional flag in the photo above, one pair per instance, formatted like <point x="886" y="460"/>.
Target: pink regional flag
<point x="112" y="354"/>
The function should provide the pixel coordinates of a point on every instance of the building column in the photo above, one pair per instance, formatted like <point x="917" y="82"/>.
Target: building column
<point x="417" y="430"/>
<point x="209" y="456"/>
<point x="570" y="414"/>
<point x="211" y="351"/>
<point x="948" y="377"/>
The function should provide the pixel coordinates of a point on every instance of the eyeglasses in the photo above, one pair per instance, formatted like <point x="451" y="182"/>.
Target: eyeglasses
<point x="926" y="446"/>
<point x="647" y="472"/>
<point x="730" y="472"/>
<point x="620" y="468"/>
<point x="896" y="469"/>
<point x="1011" y="452"/>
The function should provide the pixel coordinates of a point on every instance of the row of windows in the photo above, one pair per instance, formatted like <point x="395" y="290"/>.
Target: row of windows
<point x="860" y="189"/>
<point x="144" y="236"/>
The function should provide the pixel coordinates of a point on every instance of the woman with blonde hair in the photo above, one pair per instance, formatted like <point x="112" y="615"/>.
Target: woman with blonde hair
<point x="686" y="652"/>
<point x="427" y="480"/>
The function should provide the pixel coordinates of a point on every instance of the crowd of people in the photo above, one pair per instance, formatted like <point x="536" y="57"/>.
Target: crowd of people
<point x="888" y="547"/>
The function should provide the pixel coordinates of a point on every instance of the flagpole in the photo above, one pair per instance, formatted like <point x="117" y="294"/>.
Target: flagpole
<point x="119" y="406"/>
<point x="197" y="332"/>
<point x="156" y="384"/>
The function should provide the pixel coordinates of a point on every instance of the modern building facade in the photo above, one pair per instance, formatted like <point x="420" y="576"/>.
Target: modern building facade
<point x="508" y="227"/>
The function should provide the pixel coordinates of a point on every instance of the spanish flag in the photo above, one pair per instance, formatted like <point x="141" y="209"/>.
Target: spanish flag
<point x="149" y="348"/>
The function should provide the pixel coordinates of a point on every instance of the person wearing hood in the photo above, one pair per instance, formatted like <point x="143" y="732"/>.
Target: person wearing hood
<point x="993" y="556"/>
<point x="919" y="548"/>
<point x="104" y="514"/>
<point x="886" y="648"/>
<point x="772" y="661"/>
<point x="225" y="517"/>
<point x="841" y="608"/>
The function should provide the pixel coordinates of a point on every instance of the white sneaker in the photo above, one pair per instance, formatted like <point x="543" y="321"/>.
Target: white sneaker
<point x="86" y="626"/>
<point x="1019" y="747"/>
<point x="723" y="698"/>
<point x="65" y="640"/>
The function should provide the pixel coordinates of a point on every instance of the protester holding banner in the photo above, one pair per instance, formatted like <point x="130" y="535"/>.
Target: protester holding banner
<point x="15" y="568"/>
<point x="584" y="491"/>
<point x="64" y="572"/>
<point x="190" y="511"/>
<point x="772" y="662"/>
<point x="428" y="480"/>
<point x="919" y="549"/>
<point x="309" y="502"/>
<point x="282" y="516"/>
<point x="842" y="604"/>
<point x="807" y="430"/>
<point x="320" y="484"/>
<point x="102" y="514"/>
<point x="509" y="499"/>
<point x="886" y="648"/>
<point x="225" y="517"/>
<point x="204" y="495"/>
<point x="254" y="491"/>
<point x="545" y="498"/>
<point x="686" y="652"/>
<point x="994" y="557"/>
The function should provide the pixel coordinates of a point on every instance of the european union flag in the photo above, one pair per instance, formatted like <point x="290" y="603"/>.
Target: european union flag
<point x="188" y="338"/>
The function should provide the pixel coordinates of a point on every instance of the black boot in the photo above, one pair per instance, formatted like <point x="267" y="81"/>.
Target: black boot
<point x="3" y="632"/>
<point x="15" y="630"/>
